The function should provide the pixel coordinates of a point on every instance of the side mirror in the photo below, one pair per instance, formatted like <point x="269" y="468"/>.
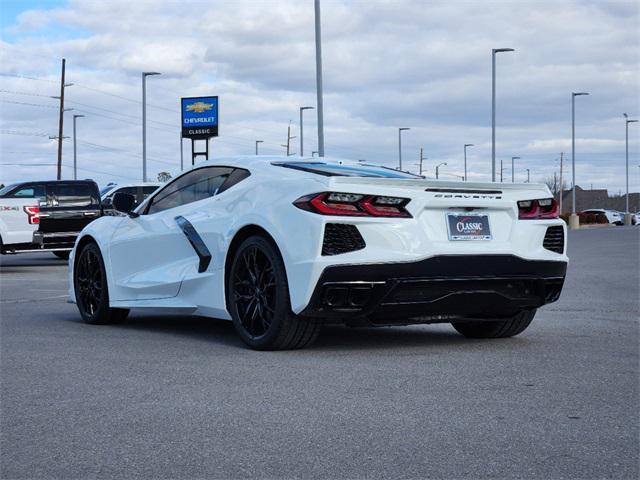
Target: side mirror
<point x="125" y="203"/>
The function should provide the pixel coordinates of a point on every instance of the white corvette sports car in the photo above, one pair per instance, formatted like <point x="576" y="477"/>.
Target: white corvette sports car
<point x="281" y="246"/>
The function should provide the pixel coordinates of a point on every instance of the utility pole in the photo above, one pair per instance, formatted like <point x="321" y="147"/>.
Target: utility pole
<point x="61" y="119"/>
<point x="528" y="178"/>
<point x="422" y="158"/>
<point x="501" y="170"/>
<point x="257" y="142"/>
<point x="301" y="130"/>
<point x="75" y="156"/>
<point x="289" y="138"/>
<point x="319" y="79"/>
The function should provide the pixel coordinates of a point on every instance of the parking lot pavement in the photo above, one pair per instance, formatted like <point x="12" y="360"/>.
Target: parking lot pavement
<point x="171" y="397"/>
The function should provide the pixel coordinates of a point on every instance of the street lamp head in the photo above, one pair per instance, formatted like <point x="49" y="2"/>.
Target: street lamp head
<point x="259" y="141"/>
<point x="498" y="50"/>
<point x="468" y="145"/>
<point x="632" y="121"/>
<point x="575" y="94"/>
<point x="146" y="74"/>
<point x="515" y="158"/>
<point x="307" y="108"/>
<point x="78" y="116"/>
<point x="404" y="128"/>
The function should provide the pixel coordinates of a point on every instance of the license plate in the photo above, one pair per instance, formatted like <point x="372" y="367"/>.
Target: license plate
<point x="468" y="227"/>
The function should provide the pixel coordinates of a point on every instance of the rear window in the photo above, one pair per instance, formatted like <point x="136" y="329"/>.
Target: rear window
<point x="73" y="195"/>
<point x="337" y="170"/>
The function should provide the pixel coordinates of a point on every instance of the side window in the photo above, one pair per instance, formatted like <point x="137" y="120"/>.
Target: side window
<point x="196" y="185"/>
<point x="28" y="191"/>
<point x="73" y="195"/>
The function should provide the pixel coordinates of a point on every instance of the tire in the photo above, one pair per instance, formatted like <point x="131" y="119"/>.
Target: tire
<point x="258" y="299"/>
<point x="496" y="329"/>
<point x="62" y="255"/>
<point x="90" y="286"/>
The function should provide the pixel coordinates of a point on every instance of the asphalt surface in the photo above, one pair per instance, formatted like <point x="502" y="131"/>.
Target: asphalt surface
<point x="171" y="397"/>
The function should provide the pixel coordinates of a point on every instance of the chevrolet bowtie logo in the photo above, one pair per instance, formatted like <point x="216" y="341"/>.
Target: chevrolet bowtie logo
<point x="199" y="107"/>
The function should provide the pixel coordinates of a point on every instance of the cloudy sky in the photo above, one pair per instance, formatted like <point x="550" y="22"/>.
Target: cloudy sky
<point x="419" y="64"/>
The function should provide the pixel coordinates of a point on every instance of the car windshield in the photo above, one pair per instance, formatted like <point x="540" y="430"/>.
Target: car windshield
<point x="338" y="170"/>
<point x="106" y="189"/>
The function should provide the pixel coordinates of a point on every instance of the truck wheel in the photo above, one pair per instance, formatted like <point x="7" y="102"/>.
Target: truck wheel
<point x="496" y="328"/>
<point x="62" y="255"/>
<point x="258" y="299"/>
<point x="90" y="285"/>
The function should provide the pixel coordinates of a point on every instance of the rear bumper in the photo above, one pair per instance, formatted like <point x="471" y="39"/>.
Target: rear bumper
<point x="55" y="240"/>
<point x="441" y="288"/>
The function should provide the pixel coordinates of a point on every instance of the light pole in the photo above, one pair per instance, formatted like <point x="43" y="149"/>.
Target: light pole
<point x="493" y="108"/>
<point x="144" y="122"/>
<point x="528" y="177"/>
<point x="319" y="79"/>
<point x="627" y="216"/>
<point x="400" y="130"/>
<point x="301" y="135"/>
<point x="465" y="159"/>
<point x="181" y="154"/>
<point x="75" y="157"/>
<point x="574" y="221"/>
<point x="257" y="142"/>
<point x="438" y="168"/>
<point x="501" y="170"/>
<point x="513" y="175"/>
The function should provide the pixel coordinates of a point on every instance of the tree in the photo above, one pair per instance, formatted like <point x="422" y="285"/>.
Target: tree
<point x="164" y="177"/>
<point x="554" y="184"/>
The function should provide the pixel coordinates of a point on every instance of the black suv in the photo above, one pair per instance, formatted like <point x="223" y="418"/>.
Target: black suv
<point x="65" y="208"/>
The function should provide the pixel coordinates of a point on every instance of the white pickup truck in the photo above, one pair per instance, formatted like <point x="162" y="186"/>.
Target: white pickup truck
<point x="46" y="215"/>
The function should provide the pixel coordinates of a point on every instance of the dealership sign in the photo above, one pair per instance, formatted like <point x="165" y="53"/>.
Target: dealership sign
<point x="199" y="117"/>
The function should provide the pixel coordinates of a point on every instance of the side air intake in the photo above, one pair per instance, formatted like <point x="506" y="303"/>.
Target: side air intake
<point x="554" y="239"/>
<point x="341" y="238"/>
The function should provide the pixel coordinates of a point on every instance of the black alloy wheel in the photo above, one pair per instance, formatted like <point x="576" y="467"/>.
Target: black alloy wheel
<point x="254" y="292"/>
<point x="90" y="285"/>
<point x="258" y="299"/>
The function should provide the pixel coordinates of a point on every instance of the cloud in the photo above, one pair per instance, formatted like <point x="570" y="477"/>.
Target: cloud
<point x="426" y="65"/>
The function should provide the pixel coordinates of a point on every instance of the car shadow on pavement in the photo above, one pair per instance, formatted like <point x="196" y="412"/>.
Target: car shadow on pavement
<point x="188" y="326"/>
<point x="332" y="337"/>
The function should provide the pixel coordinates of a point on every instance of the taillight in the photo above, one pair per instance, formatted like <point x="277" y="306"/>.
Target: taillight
<point x="354" y="205"/>
<point x="33" y="215"/>
<point x="541" y="209"/>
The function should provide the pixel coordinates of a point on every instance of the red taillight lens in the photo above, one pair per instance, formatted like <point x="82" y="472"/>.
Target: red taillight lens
<point x="541" y="209"/>
<point x="33" y="215"/>
<point x="354" y="205"/>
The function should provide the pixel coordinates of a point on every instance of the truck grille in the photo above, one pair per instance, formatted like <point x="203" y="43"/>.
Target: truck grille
<point x="341" y="238"/>
<point x="554" y="239"/>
